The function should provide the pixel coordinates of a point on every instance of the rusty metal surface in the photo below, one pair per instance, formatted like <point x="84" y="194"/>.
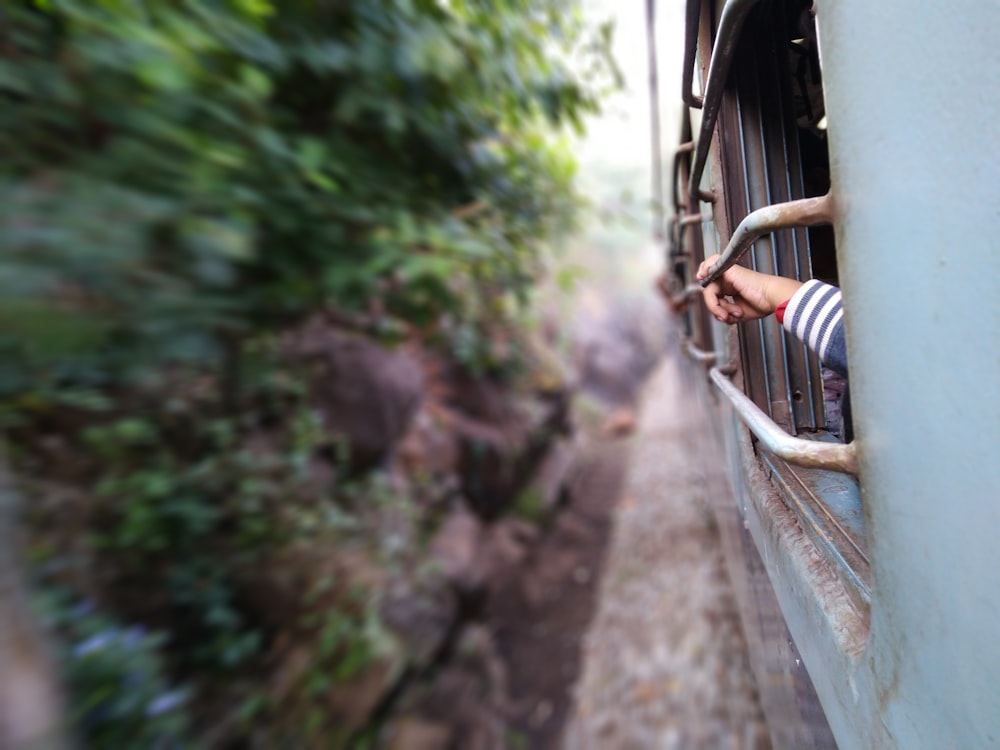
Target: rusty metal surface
<point x="691" y="220"/>
<point x="829" y="628"/>
<point x="828" y="505"/>
<point x="689" y="239"/>
<point x="794" y="716"/>
<point x="832" y="456"/>
<point x="805" y="212"/>
<point x="680" y="160"/>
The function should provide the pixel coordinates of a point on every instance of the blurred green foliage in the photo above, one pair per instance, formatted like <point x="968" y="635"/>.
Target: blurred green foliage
<point x="179" y="173"/>
<point x="127" y="700"/>
<point x="181" y="179"/>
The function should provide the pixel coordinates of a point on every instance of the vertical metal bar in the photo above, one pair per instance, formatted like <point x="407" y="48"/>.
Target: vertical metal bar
<point x="692" y="16"/>
<point x="730" y="24"/>
<point x="654" y="107"/>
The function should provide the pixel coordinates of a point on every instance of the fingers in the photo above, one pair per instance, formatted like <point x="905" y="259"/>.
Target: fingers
<point x="721" y="308"/>
<point x="706" y="265"/>
<point x="715" y="295"/>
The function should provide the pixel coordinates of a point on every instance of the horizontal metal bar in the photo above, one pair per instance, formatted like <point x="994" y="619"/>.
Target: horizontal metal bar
<point x="730" y="25"/>
<point x="691" y="290"/>
<point x="685" y="295"/>
<point x="692" y="18"/>
<point x="832" y="456"/>
<point x="690" y="219"/>
<point x="807" y="212"/>
<point x="700" y="355"/>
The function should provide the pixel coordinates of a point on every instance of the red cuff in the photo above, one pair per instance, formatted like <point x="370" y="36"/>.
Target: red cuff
<point x="779" y="311"/>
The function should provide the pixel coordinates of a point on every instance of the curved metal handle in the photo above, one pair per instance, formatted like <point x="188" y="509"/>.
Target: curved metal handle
<point x="730" y="26"/>
<point x="831" y="456"/>
<point x="806" y="212"/>
<point x="684" y="295"/>
<point x="692" y="16"/>
<point x="700" y="355"/>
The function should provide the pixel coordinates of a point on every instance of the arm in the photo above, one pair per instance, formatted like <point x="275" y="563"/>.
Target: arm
<point x="813" y="313"/>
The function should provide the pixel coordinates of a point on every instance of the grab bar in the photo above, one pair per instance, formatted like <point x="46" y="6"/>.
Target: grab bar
<point x="654" y="103"/>
<point x="730" y="25"/>
<point x="807" y="212"/>
<point x="812" y="453"/>
<point x="684" y="148"/>
<point x="677" y="301"/>
<point x="692" y="26"/>
<point x="700" y="355"/>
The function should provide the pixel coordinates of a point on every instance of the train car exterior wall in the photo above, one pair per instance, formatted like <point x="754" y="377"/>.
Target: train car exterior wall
<point x="907" y="655"/>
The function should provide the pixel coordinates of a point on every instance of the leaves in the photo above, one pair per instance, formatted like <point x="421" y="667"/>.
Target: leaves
<point x="182" y="179"/>
<point x="231" y="156"/>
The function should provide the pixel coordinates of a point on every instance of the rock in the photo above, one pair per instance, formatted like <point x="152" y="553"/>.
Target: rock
<point x="302" y="579"/>
<point x="351" y="703"/>
<point x="410" y="733"/>
<point x="470" y="694"/>
<point x="503" y="433"/>
<point x="366" y="392"/>
<point x="430" y="445"/>
<point x="455" y="548"/>
<point x="421" y="615"/>
<point x="619" y="423"/>
<point x="504" y="546"/>
<point x="550" y="481"/>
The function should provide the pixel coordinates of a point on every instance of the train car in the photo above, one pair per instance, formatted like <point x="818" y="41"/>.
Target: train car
<point x="855" y="142"/>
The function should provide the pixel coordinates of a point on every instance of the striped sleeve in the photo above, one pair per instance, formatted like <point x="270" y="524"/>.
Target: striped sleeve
<point x="816" y="316"/>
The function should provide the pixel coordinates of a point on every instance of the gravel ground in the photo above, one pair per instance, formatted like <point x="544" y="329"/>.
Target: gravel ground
<point x="665" y="660"/>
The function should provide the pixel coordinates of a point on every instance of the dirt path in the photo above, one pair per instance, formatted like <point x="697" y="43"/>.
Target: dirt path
<point x="665" y="663"/>
<point x="540" y="610"/>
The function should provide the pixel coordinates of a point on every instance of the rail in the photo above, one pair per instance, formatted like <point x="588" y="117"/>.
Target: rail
<point x="730" y="25"/>
<point x="654" y="102"/>
<point x="700" y="355"/>
<point x="692" y="13"/>
<point x="812" y="453"/>
<point x="684" y="148"/>
<point x="806" y="212"/>
<point x="684" y="296"/>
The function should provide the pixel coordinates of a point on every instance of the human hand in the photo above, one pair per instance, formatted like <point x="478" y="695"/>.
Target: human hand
<point x="741" y="294"/>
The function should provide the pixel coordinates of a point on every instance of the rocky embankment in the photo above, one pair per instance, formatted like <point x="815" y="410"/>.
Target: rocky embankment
<point x="477" y="566"/>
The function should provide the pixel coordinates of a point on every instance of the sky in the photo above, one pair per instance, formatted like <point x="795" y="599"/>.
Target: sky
<point x="615" y="157"/>
<point x="622" y="133"/>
